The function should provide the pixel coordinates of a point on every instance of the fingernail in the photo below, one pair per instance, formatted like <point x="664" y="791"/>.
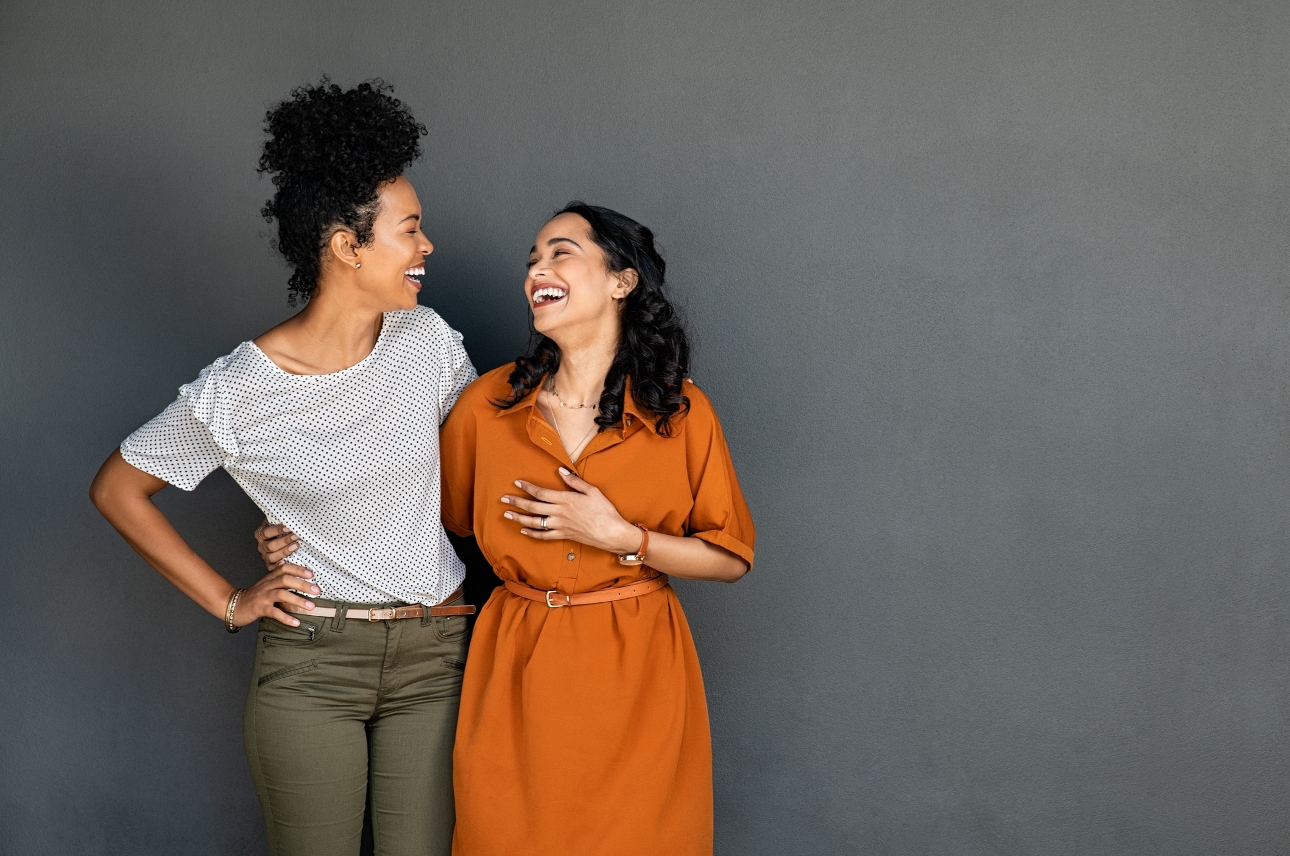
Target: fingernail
<point x="294" y="547"/>
<point x="309" y="575"/>
<point x="295" y="622"/>
<point x="524" y="531"/>
<point x="508" y="516"/>
<point x="315" y="590"/>
<point x="565" y="472"/>
<point x="517" y="484"/>
<point x="506" y="499"/>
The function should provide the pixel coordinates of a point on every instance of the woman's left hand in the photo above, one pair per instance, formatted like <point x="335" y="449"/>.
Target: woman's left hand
<point x="581" y="514"/>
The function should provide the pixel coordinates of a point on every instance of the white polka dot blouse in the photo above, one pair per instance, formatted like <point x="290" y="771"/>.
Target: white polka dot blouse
<point x="349" y="461"/>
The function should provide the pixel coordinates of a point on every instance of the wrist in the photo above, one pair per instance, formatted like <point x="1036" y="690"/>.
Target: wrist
<point x="230" y="610"/>
<point x="629" y="539"/>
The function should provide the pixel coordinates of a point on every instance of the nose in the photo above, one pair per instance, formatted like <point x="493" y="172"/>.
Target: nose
<point x="426" y="248"/>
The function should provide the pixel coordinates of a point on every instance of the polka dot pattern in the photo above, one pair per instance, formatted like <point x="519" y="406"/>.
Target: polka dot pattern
<point x="349" y="461"/>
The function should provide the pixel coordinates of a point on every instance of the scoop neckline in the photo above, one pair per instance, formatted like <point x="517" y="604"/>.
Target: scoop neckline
<point x="380" y="339"/>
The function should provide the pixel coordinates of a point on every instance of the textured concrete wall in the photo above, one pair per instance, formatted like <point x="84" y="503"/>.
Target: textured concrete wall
<point x="992" y="299"/>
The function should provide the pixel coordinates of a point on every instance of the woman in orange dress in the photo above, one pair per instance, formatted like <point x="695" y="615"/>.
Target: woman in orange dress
<point x="583" y="726"/>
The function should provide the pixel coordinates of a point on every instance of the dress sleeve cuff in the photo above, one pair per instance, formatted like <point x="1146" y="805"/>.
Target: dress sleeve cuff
<point x="727" y="542"/>
<point x="145" y="463"/>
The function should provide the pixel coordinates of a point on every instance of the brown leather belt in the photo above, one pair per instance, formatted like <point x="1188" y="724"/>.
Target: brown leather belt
<point x="554" y="598"/>
<point x="390" y="613"/>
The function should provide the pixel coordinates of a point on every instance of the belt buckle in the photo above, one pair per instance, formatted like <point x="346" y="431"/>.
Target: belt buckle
<point x="378" y="614"/>
<point x="555" y="605"/>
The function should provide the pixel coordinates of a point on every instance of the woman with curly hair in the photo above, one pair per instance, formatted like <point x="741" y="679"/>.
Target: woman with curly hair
<point x="330" y="423"/>
<point x="588" y="471"/>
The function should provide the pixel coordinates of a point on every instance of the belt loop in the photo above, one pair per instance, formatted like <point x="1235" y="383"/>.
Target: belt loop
<point x="426" y="618"/>
<point x="338" y="623"/>
<point x="565" y="585"/>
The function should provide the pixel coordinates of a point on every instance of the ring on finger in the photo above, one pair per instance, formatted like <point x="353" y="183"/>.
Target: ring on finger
<point x="544" y="526"/>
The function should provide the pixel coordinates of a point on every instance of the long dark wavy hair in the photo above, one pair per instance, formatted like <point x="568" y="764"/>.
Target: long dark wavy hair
<point x="652" y="347"/>
<point x="328" y="152"/>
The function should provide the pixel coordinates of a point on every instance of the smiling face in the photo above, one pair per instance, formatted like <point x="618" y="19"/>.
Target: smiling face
<point x="570" y="287"/>
<point x="385" y="270"/>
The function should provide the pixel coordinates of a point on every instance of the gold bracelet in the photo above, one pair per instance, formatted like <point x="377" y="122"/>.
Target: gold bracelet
<point x="230" y="609"/>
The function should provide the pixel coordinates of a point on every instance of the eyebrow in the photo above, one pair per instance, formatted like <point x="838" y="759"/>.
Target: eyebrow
<point x="416" y="217"/>
<point x="553" y="242"/>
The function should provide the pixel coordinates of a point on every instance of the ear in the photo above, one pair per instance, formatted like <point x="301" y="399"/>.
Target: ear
<point x="344" y="249"/>
<point x="627" y="282"/>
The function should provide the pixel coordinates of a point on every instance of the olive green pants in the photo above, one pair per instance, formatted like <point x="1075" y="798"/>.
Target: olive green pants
<point x="341" y="712"/>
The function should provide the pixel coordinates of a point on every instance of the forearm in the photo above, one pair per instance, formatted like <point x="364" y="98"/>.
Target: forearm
<point x="686" y="557"/>
<point x="126" y="501"/>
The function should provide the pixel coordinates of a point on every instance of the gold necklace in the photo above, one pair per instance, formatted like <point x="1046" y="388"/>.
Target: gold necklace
<point x="581" y="443"/>
<point x="550" y="387"/>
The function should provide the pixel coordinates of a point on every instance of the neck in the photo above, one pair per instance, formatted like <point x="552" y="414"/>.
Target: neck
<point x="583" y="367"/>
<point x="339" y="329"/>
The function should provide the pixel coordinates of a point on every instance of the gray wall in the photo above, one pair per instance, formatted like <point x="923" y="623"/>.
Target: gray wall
<point x="992" y="299"/>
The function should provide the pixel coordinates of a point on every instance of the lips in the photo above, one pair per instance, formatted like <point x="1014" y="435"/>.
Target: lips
<point x="548" y="294"/>
<point x="412" y="273"/>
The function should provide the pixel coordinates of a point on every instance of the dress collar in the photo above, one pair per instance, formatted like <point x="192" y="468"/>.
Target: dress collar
<point x="633" y="415"/>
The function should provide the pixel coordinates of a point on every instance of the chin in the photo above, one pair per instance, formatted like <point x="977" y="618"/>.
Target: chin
<point x="406" y="302"/>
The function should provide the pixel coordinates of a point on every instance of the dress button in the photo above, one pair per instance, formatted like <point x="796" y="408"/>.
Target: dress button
<point x="571" y="556"/>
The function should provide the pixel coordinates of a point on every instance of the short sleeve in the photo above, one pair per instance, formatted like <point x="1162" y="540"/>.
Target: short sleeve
<point x="457" y="446"/>
<point x="457" y="373"/>
<point x="720" y="514"/>
<point x="188" y="440"/>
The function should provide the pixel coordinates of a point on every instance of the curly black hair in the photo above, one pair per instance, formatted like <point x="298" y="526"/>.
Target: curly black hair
<point x="653" y="349"/>
<point x="328" y="152"/>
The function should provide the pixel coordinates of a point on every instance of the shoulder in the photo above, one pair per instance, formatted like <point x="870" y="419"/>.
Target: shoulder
<point x="421" y="338"/>
<point x="421" y="323"/>
<point x="241" y="365"/>
<point x="491" y="386"/>
<point x="419" y="320"/>
<point x="701" y="415"/>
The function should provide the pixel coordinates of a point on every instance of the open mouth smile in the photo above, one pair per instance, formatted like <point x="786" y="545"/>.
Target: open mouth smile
<point x="548" y="294"/>
<point x="412" y="273"/>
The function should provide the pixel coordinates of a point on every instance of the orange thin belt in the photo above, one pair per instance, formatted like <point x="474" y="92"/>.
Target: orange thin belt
<point x="554" y="598"/>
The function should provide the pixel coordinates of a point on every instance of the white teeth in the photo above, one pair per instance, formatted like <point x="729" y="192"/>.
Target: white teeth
<point x="552" y="293"/>
<point x="416" y="271"/>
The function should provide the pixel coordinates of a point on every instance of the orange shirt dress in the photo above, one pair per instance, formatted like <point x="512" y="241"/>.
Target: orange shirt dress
<point x="584" y="729"/>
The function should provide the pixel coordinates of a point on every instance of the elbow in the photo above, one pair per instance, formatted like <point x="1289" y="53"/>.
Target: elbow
<point x="105" y="499"/>
<point x="106" y="488"/>
<point x="99" y="492"/>
<point x="737" y="572"/>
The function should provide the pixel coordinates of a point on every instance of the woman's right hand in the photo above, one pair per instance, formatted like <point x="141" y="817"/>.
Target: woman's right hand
<point x="265" y="598"/>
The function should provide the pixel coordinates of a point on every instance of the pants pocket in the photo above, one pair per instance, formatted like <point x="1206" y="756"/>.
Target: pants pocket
<point x="286" y="672"/>
<point x="451" y="628"/>
<point x="278" y="634"/>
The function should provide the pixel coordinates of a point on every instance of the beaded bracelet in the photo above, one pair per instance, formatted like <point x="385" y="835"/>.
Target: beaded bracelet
<point x="232" y="607"/>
